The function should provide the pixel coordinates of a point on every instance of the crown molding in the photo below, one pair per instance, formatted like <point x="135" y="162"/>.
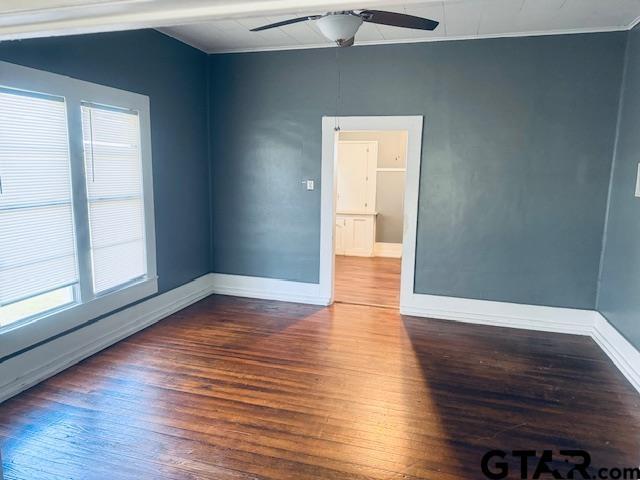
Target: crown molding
<point x="574" y="31"/>
<point x="633" y="24"/>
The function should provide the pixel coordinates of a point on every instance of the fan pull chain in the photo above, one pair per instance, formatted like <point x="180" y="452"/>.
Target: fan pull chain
<point x="338" y="96"/>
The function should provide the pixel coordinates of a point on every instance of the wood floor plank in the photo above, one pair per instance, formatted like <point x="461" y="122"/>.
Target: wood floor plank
<point x="239" y="389"/>
<point x="367" y="281"/>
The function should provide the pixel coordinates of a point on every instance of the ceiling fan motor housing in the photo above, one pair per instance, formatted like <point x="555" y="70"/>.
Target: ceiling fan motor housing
<point x="339" y="26"/>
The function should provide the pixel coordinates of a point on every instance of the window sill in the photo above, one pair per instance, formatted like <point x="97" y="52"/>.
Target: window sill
<point x="22" y="335"/>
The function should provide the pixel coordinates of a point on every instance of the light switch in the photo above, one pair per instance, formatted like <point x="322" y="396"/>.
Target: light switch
<point x="638" y="182"/>
<point x="310" y="184"/>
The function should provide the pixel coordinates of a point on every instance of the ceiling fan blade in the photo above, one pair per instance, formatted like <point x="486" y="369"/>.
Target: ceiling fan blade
<point x="398" y="20"/>
<point x="285" y="22"/>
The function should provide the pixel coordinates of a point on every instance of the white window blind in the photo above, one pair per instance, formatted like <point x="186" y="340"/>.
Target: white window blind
<point x="115" y="195"/>
<point x="37" y="241"/>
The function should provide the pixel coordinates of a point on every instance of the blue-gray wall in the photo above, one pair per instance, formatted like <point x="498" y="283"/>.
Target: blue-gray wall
<point x="517" y="151"/>
<point x="173" y="75"/>
<point x="619" y="293"/>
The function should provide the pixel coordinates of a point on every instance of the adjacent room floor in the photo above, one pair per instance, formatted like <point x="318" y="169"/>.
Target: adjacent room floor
<point x="367" y="281"/>
<point x="242" y="389"/>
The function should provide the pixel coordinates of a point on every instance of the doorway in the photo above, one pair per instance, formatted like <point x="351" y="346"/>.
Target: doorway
<point x="370" y="177"/>
<point x="375" y="259"/>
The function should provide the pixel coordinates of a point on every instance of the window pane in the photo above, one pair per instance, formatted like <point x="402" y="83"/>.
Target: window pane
<point x="37" y="244"/>
<point x="35" y="305"/>
<point x="114" y="185"/>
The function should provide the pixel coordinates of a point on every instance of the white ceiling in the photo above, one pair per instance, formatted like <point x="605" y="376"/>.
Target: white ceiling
<point x="223" y="25"/>
<point x="459" y="19"/>
<point x="41" y="18"/>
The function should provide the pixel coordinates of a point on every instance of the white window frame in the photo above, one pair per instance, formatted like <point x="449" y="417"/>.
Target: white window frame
<point x="23" y="334"/>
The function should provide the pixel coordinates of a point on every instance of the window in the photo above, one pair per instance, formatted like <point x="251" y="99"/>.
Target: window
<point x="114" y="190"/>
<point x="37" y="250"/>
<point x="76" y="204"/>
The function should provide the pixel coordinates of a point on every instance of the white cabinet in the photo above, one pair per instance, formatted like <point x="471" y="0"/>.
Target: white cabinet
<point x="356" y="198"/>
<point x="355" y="234"/>
<point x="356" y="176"/>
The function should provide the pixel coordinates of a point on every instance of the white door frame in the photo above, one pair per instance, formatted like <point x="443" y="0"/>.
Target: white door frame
<point x="411" y="124"/>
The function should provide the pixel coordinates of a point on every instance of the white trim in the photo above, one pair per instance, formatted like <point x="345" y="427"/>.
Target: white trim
<point x="570" y="31"/>
<point x="33" y="366"/>
<point x="267" y="289"/>
<point x="533" y="317"/>
<point x="413" y="126"/>
<point x="27" y="369"/>
<point x="501" y="314"/>
<point x="391" y="169"/>
<point x="633" y="24"/>
<point x="620" y="351"/>
<point x="389" y="250"/>
<point x="21" y="335"/>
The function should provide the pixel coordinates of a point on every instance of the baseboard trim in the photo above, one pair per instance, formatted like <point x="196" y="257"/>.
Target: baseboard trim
<point x="532" y="317"/>
<point x="501" y="314"/>
<point x="268" y="289"/>
<point x="389" y="250"/>
<point x="29" y="368"/>
<point x="620" y="351"/>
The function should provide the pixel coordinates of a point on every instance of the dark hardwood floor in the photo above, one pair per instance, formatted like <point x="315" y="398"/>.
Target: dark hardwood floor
<point x="246" y="389"/>
<point x="367" y="281"/>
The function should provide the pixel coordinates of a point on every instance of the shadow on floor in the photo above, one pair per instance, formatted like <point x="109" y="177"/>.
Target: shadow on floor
<point x="511" y="390"/>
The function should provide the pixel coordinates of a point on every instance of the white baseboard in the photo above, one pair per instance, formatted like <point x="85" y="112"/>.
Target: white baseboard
<point x="33" y="366"/>
<point x="620" y="351"/>
<point x="27" y="369"/>
<point x="390" y="250"/>
<point x="532" y="317"/>
<point x="501" y="314"/>
<point x="268" y="289"/>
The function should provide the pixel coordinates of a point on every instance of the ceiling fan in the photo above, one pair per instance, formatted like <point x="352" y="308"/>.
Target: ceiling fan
<point x="341" y="27"/>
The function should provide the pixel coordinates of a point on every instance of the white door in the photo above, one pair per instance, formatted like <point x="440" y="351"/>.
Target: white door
<point x="356" y="176"/>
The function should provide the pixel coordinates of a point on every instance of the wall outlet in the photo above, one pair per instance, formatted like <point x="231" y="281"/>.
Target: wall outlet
<point x="310" y="184"/>
<point x="638" y="182"/>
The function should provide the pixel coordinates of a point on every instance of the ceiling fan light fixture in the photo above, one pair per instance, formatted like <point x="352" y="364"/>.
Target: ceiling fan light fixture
<point x="339" y="27"/>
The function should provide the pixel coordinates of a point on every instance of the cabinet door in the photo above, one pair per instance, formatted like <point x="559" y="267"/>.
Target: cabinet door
<point x="363" y="235"/>
<point x="356" y="176"/>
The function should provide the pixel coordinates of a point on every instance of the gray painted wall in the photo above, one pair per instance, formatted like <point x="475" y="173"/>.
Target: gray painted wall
<point x="173" y="75"/>
<point x="619" y="292"/>
<point x="516" y="158"/>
